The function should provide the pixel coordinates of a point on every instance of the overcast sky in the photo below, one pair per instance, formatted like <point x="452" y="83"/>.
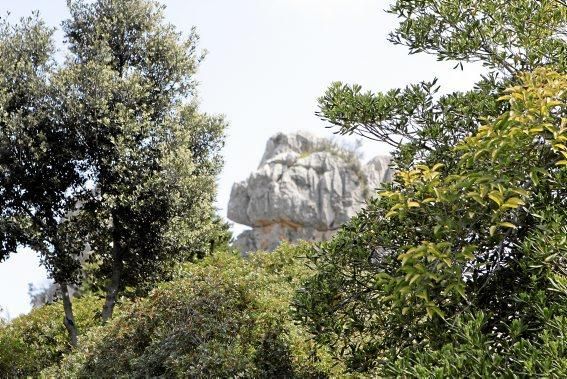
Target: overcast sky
<point x="268" y="62"/>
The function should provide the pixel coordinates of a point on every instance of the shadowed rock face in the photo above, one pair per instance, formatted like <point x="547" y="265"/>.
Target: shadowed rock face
<point x="305" y="188"/>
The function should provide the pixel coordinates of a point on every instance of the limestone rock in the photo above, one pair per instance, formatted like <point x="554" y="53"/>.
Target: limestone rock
<point x="306" y="187"/>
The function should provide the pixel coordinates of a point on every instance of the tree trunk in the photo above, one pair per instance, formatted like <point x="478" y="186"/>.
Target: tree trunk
<point x="114" y="285"/>
<point x="69" y="319"/>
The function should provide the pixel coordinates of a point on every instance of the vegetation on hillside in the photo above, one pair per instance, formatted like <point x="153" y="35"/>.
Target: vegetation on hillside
<point x="32" y="342"/>
<point x="457" y="268"/>
<point x="221" y="317"/>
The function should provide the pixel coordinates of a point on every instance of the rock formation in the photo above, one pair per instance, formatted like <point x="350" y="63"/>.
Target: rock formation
<point x="306" y="187"/>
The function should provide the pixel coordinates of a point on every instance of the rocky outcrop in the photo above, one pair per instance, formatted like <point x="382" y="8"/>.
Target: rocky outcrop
<point x="49" y="294"/>
<point x="52" y="291"/>
<point x="305" y="188"/>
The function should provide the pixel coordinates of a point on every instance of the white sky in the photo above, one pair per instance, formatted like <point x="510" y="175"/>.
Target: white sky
<point x="268" y="62"/>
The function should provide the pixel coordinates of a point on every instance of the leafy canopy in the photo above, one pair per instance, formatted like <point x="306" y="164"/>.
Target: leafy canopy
<point x="105" y="156"/>
<point x="508" y="37"/>
<point x="223" y="316"/>
<point x="456" y="268"/>
<point x="436" y="248"/>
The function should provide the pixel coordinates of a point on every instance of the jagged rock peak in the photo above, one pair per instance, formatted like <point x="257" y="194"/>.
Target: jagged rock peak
<point x="305" y="187"/>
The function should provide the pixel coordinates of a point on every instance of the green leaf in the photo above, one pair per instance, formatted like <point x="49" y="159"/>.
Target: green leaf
<point x="496" y="197"/>
<point x="413" y="204"/>
<point x="507" y="225"/>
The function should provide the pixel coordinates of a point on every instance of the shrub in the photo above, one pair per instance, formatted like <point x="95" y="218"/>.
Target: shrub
<point x="458" y="268"/>
<point x="34" y="341"/>
<point x="223" y="317"/>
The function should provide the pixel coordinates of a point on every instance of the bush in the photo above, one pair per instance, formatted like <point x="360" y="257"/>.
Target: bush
<point x="34" y="341"/>
<point x="222" y="317"/>
<point x="458" y="268"/>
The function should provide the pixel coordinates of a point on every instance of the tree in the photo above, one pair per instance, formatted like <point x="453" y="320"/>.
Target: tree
<point x="107" y="153"/>
<point x="152" y="159"/>
<point x="461" y="259"/>
<point x="508" y="37"/>
<point x="37" y="159"/>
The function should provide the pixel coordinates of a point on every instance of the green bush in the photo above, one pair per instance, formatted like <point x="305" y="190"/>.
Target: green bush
<point x="458" y="269"/>
<point x="34" y="341"/>
<point x="223" y="317"/>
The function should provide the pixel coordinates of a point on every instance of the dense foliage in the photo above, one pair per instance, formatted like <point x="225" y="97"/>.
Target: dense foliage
<point x="38" y="176"/>
<point x="508" y="37"/>
<point x="34" y="341"/>
<point x="105" y="156"/>
<point x="457" y="268"/>
<point x="151" y="157"/>
<point x="221" y="317"/>
<point x="446" y="260"/>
